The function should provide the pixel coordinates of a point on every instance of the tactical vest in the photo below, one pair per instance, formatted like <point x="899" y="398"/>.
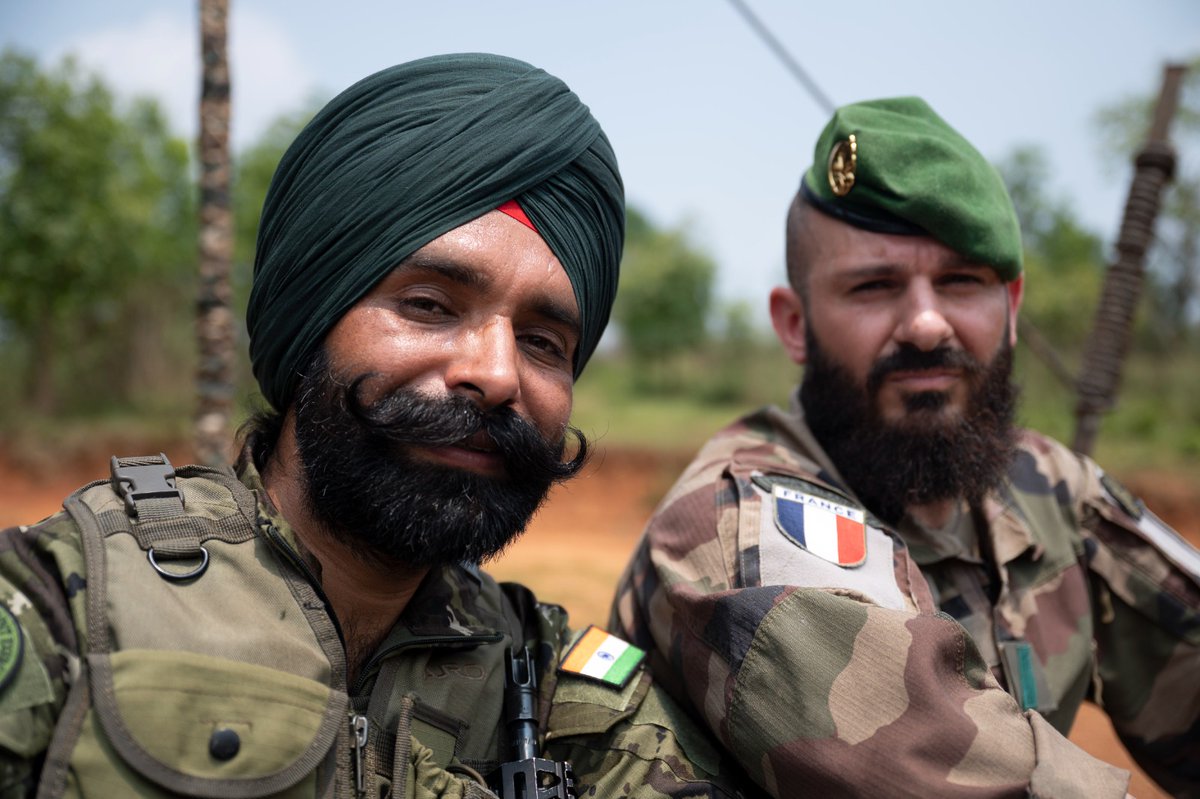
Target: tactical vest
<point x="209" y="665"/>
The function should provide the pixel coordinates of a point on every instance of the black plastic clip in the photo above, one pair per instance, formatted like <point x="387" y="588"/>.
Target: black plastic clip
<point x="139" y="481"/>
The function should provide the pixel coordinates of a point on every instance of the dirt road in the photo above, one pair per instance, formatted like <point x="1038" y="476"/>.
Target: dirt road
<point x="576" y="546"/>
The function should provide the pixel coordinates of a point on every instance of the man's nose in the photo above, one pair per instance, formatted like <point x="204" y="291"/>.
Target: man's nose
<point x="923" y="324"/>
<point x="485" y="365"/>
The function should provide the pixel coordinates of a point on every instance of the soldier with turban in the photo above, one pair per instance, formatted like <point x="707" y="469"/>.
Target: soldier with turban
<point x="437" y="259"/>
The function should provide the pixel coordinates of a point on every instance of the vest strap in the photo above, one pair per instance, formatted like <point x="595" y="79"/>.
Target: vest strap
<point x="154" y="505"/>
<point x="147" y="484"/>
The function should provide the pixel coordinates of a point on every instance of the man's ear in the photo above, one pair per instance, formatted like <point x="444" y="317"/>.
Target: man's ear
<point x="787" y="317"/>
<point x="1016" y="292"/>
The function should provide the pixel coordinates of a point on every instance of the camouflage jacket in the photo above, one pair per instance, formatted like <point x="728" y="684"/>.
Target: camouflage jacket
<point x="118" y="680"/>
<point x="804" y="635"/>
<point x="1072" y="589"/>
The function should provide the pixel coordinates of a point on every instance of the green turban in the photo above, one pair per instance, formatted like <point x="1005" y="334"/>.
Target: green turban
<point x="895" y="166"/>
<point x="408" y="154"/>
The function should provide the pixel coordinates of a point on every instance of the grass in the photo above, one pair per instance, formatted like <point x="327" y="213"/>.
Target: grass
<point x="685" y="404"/>
<point x="1156" y="424"/>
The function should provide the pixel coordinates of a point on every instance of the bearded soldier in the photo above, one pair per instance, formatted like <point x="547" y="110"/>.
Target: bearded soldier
<point x="796" y="584"/>
<point x="436" y="261"/>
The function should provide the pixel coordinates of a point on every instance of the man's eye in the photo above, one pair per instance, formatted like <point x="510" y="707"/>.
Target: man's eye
<point x="546" y="346"/>
<point x="424" y="305"/>
<point x="871" y="285"/>
<point x="963" y="279"/>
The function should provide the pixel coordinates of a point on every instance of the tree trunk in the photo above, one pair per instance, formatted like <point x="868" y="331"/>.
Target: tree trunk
<point x="214" y="317"/>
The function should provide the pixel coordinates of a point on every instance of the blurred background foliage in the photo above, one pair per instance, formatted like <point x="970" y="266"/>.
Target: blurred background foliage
<point x="98" y="257"/>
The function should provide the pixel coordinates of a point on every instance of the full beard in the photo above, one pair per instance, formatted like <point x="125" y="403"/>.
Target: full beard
<point x="366" y="486"/>
<point x="930" y="455"/>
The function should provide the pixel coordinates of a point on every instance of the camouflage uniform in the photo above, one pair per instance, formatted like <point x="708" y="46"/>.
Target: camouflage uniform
<point x="233" y="683"/>
<point x="847" y="680"/>
<point x="1062" y="561"/>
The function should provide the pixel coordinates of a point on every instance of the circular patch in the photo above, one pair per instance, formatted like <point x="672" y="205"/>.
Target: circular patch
<point x="12" y="646"/>
<point x="843" y="161"/>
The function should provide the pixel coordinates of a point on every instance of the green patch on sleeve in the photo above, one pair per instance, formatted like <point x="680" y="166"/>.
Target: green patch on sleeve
<point x="24" y="680"/>
<point x="12" y="646"/>
<point x="26" y="692"/>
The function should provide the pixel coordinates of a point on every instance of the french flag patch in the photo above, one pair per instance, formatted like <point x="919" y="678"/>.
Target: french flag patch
<point x="831" y="531"/>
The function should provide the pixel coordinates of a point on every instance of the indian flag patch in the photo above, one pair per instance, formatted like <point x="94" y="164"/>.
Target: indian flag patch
<point x="602" y="657"/>
<point x="830" y="530"/>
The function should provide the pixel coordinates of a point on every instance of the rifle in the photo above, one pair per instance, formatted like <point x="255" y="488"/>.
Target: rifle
<point x="527" y="775"/>
<point x="1100" y="375"/>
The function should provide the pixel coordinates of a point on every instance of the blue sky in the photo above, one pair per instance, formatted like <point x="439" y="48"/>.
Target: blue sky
<point x="710" y="128"/>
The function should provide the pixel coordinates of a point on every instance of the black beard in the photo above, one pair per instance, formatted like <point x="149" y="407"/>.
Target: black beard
<point x="926" y="457"/>
<point x="365" y="485"/>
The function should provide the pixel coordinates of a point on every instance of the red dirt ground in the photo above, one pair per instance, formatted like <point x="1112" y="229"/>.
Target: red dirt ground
<point x="578" y="543"/>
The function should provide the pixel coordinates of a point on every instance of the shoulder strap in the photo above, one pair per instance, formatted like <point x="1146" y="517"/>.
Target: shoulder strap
<point x="154" y="505"/>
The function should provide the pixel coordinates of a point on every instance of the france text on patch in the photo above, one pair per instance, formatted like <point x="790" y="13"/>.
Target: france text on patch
<point x="831" y="531"/>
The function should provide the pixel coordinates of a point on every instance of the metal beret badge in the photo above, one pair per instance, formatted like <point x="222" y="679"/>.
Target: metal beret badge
<point x="843" y="161"/>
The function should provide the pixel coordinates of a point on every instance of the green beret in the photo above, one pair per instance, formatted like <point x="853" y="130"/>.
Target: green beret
<point x="895" y="166"/>
<point x="406" y="155"/>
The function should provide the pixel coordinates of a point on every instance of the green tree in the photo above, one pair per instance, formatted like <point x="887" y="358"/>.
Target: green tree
<point x="253" y="168"/>
<point x="1063" y="260"/>
<point x="663" y="302"/>
<point x="96" y="230"/>
<point x="733" y="358"/>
